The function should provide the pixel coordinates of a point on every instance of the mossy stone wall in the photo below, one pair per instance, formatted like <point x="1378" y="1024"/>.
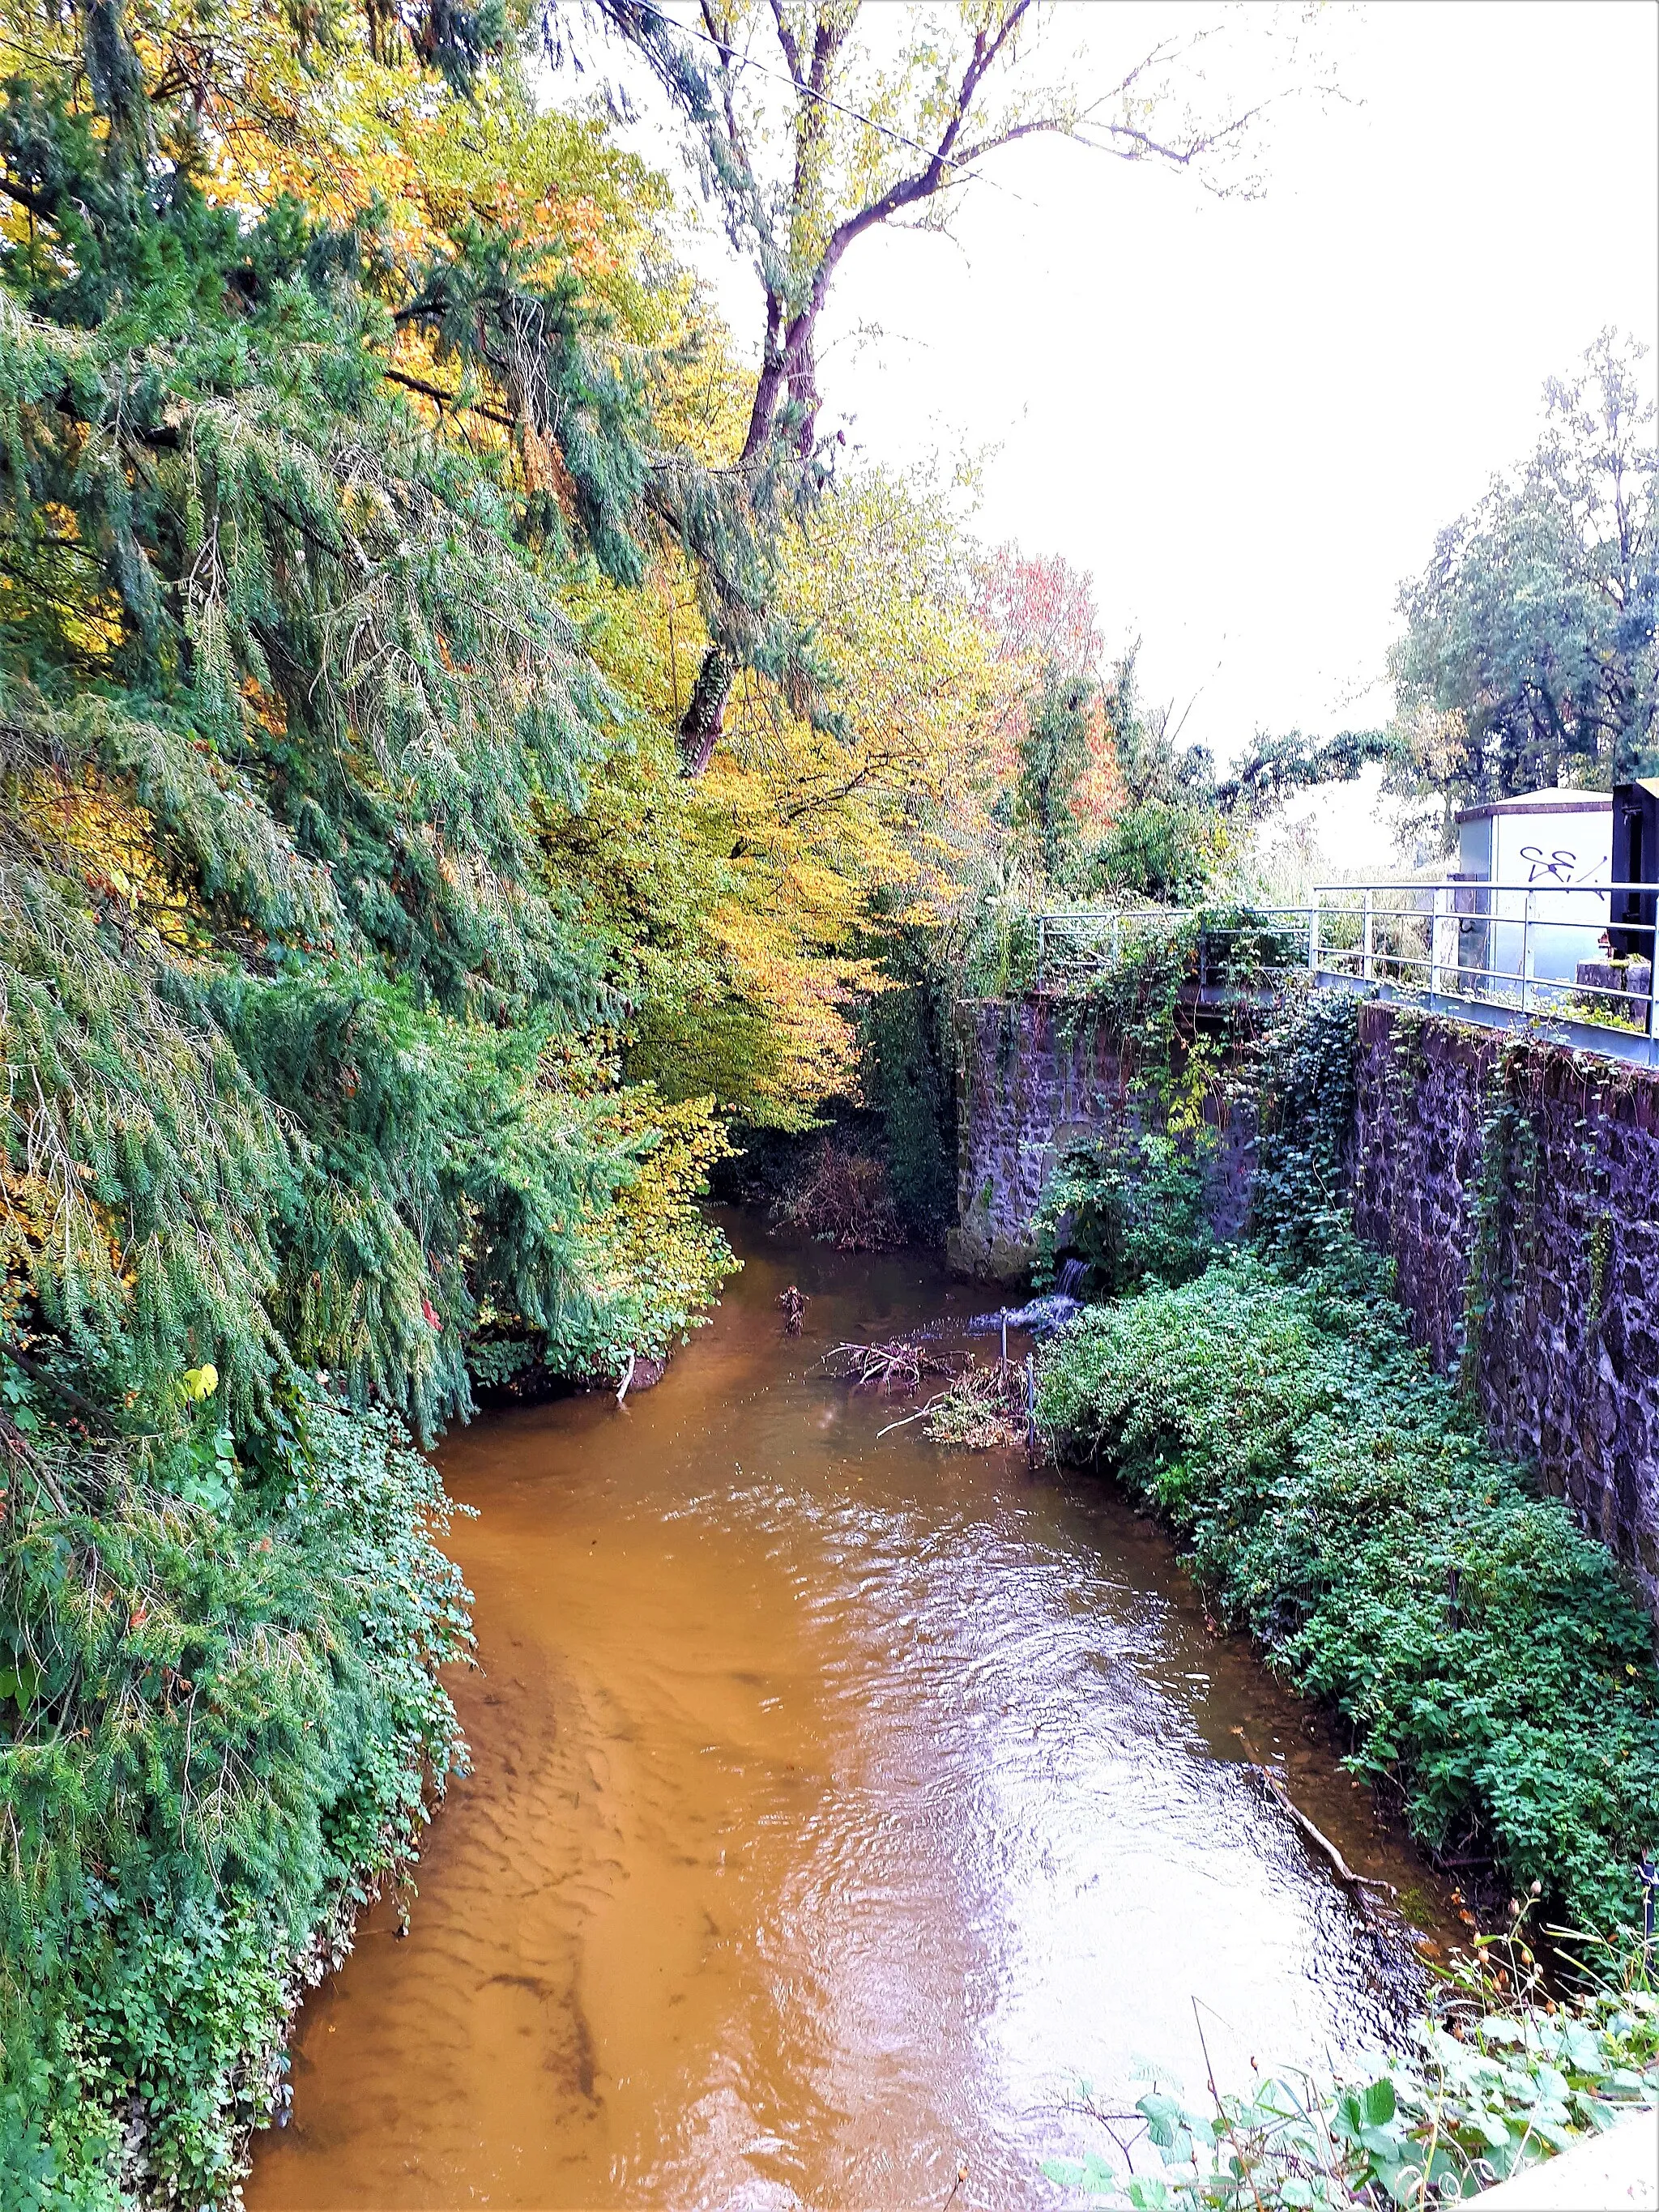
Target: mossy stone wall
<point x="1517" y="1187"/>
<point x="1032" y="1079"/>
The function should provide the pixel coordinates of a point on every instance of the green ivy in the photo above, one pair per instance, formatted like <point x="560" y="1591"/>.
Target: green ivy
<point x="1341" y="1501"/>
<point x="908" y="1067"/>
<point x="1133" y="1204"/>
<point x="1305" y="1096"/>
<point x="1132" y="1207"/>
<point x="1485" y="2089"/>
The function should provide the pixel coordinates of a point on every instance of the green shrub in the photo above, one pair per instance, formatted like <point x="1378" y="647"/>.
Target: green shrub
<point x="724" y="1051"/>
<point x="1342" y="1504"/>
<point x="1162" y="850"/>
<point x="225" y="1723"/>
<point x="1133" y="1207"/>
<point x="1485" y="2088"/>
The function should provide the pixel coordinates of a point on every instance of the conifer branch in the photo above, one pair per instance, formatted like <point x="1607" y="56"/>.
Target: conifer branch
<point x="448" y="398"/>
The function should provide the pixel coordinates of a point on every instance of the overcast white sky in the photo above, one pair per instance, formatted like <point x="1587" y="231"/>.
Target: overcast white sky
<point x="1248" y="419"/>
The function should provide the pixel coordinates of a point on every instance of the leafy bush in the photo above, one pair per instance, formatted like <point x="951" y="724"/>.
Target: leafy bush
<point x="1243" y="947"/>
<point x="226" y="1723"/>
<point x="1162" y="850"/>
<point x="1487" y="2088"/>
<point x="1343" y="1506"/>
<point x="1133" y="1204"/>
<point x="1131" y="1207"/>
<point x="726" y="1052"/>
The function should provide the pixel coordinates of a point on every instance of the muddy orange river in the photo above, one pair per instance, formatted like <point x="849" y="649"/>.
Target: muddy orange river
<point x="838" y="1805"/>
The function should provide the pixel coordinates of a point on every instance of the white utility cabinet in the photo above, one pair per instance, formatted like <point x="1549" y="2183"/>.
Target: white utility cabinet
<point x="1548" y="856"/>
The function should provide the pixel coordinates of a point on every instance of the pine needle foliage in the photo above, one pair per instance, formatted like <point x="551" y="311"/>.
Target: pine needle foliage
<point x="225" y="1707"/>
<point x="293" y="512"/>
<point x="320" y="648"/>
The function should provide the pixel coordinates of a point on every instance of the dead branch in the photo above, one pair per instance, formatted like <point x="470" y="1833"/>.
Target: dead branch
<point x="1344" y="1873"/>
<point x="894" y="1368"/>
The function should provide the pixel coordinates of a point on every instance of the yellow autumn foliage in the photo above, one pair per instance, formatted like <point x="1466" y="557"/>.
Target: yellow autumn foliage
<point x="654" y="1234"/>
<point x="751" y="889"/>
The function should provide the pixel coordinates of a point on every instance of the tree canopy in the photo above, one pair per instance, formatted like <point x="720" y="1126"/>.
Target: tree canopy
<point x="1527" y="658"/>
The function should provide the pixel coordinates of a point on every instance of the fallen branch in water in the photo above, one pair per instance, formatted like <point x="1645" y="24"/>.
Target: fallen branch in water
<point x="893" y="1368"/>
<point x="1340" y="1866"/>
<point x="904" y="1420"/>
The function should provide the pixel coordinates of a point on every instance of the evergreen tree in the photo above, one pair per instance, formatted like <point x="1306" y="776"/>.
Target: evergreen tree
<point x="307" y="1048"/>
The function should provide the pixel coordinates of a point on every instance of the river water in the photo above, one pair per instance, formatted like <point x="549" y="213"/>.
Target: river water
<point x="838" y="1804"/>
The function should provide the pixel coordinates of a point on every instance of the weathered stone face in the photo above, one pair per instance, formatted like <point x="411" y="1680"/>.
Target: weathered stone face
<point x="1032" y="1082"/>
<point x="1565" y="1359"/>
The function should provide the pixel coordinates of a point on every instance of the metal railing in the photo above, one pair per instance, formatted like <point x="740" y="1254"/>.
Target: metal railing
<point x="1515" y="950"/>
<point x="1274" y="940"/>
<point x="1499" y="954"/>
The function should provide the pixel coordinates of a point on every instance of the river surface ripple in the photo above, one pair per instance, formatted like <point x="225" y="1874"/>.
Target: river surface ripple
<point x="838" y="1805"/>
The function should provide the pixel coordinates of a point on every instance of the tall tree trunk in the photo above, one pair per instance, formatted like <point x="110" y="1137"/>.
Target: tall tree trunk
<point x="774" y="379"/>
<point x="787" y="369"/>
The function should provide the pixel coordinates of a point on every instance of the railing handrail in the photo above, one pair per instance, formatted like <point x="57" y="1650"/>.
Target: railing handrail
<point x="1586" y="1015"/>
<point x="1156" y="913"/>
<point x="1544" y="886"/>
<point x="1544" y="883"/>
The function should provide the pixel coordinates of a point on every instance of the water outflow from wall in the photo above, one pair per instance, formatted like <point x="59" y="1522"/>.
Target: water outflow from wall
<point x="837" y="1803"/>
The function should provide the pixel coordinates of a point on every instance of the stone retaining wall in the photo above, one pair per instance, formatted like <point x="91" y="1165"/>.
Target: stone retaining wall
<point x="1565" y="1356"/>
<point x="1031" y="1084"/>
<point x="1565" y="1321"/>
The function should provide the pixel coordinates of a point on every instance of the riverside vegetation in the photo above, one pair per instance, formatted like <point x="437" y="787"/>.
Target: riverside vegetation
<point x="1479" y="1654"/>
<point x="466" y="764"/>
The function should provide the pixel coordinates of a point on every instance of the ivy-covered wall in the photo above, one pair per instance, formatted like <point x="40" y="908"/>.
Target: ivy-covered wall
<point x="1034" y="1076"/>
<point x="1516" y="1187"/>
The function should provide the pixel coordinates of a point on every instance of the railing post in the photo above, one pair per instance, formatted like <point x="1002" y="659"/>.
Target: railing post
<point x="1117" y="939"/>
<point x="1313" y="936"/>
<point x="1526" y="949"/>
<point x="1043" y="948"/>
<point x="1442" y="908"/>
<point x="1368" y="964"/>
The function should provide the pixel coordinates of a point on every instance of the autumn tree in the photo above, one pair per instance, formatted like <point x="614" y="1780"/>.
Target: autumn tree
<point x="1039" y="608"/>
<point x="820" y="820"/>
<point x="813" y="123"/>
<point x="1053" y="758"/>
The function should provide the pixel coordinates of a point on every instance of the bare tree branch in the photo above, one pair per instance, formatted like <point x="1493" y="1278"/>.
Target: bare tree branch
<point x="801" y="223"/>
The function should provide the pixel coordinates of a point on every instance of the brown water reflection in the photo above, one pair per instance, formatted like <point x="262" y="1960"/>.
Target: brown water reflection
<point x="836" y="1803"/>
